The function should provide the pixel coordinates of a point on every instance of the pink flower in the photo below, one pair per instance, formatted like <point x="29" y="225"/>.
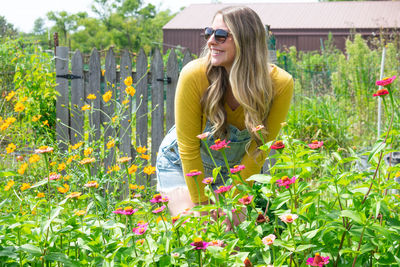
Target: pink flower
<point x="125" y="211"/>
<point x="237" y="168"/>
<point x="159" y="209"/>
<point x="198" y="243"/>
<point x="278" y="145"/>
<point x="203" y="135"/>
<point x="317" y="260"/>
<point x="269" y="240"/>
<point x="43" y="149"/>
<point x="246" y="200"/>
<point x="386" y="81"/>
<point x="216" y="243"/>
<point x="140" y="229"/>
<point x="220" y="144"/>
<point x="54" y="176"/>
<point x="315" y="144"/>
<point x="286" y="181"/>
<point x="381" y="92"/>
<point x="288" y="218"/>
<point x="193" y="173"/>
<point x="158" y="198"/>
<point x="207" y="180"/>
<point x="223" y="189"/>
<point x="118" y="211"/>
<point x="257" y="128"/>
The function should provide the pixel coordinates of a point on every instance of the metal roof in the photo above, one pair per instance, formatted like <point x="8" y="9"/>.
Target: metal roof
<point x="315" y="15"/>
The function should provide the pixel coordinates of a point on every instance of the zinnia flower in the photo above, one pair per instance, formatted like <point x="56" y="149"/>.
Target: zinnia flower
<point x="203" y="135"/>
<point x="74" y="195"/>
<point x="43" y="149"/>
<point x="193" y="173"/>
<point x="25" y="186"/>
<point x="144" y="156"/>
<point x="216" y="243"/>
<point x="159" y="209"/>
<point x="317" y="260"/>
<point x="198" y="243"/>
<point x="247" y="263"/>
<point x="286" y="181"/>
<point x="315" y="144"/>
<point x="257" y="128"/>
<point x="288" y="218"/>
<point x="278" y="145"/>
<point x="87" y="161"/>
<point x="54" y="176"/>
<point x="34" y="158"/>
<point x="129" y="210"/>
<point x="386" y="81"/>
<point x="124" y="159"/>
<point x="381" y="92"/>
<point x="132" y="169"/>
<point x="140" y="229"/>
<point x="223" y="189"/>
<point x="220" y="144"/>
<point x="237" y="168"/>
<point x="246" y="200"/>
<point x="207" y="180"/>
<point x="157" y="198"/>
<point x="92" y="184"/>
<point x="269" y="239"/>
<point x="261" y="218"/>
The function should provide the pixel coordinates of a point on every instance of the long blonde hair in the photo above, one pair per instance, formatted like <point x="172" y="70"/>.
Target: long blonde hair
<point x="249" y="77"/>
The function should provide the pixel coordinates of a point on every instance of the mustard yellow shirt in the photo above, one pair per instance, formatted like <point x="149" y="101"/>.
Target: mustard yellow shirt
<point x="188" y="118"/>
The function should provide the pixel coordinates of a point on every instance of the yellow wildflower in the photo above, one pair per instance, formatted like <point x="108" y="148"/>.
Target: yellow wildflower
<point x="9" y="185"/>
<point x="114" y="119"/>
<point x="133" y="186"/>
<point x="88" y="151"/>
<point x="86" y="107"/>
<point x="77" y="145"/>
<point x="114" y="168"/>
<point x="132" y="169"/>
<point x="146" y="157"/>
<point x="63" y="189"/>
<point x="111" y="143"/>
<point x="36" y="118"/>
<point x="10" y="95"/>
<point x="66" y="177"/>
<point x="80" y="212"/>
<point x="126" y="101"/>
<point x="149" y="170"/>
<point x="34" y="158"/>
<point x="10" y="120"/>
<point x="128" y="81"/>
<point x="107" y="96"/>
<point x="23" y="99"/>
<point x="25" y="186"/>
<point x="61" y="166"/>
<point x="103" y="72"/>
<point x="87" y="161"/>
<point x="130" y="90"/>
<point x="40" y="195"/>
<point x="53" y="163"/>
<point x="91" y="97"/>
<point x="10" y="148"/>
<point x="141" y="149"/>
<point x="74" y="195"/>
<point x="71" y="158"/>
<point x="19" y="107"/>
<point x="46" y="123"/>
<point x="22" y="168"/>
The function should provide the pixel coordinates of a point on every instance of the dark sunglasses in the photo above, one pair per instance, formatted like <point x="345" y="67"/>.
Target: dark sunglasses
<point x="219" y="35"/>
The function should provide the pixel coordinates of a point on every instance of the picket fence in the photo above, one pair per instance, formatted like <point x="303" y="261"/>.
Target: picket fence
<point x="76" y="84"/>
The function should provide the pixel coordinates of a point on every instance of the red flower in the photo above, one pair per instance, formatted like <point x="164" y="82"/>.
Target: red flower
<point x="278" y="145"/>
<point x="247" y="263"/>
<point x="246" y="200"/>
<point x="261" y="218"/>
<point x="315" y="144"/>
<point x="386" y="81"/>
<point x="237" y="168"/>
<point x="381" y="92"/>
<point x="223" y="189"/>
<point x="220" y="144"/>
<point x="317" y="260"/>
<point x="157" y="198"/>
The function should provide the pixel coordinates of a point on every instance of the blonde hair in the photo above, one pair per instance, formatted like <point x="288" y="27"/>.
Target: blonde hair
<point x="249" y="77"/>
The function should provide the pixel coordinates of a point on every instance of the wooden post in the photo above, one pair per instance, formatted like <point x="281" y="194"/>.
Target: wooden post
<point x="77" y="99"/>
<point x="94" y="88"/>
<point x="172" y="73"/>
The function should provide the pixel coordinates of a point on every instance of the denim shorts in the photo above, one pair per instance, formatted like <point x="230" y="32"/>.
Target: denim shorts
<point x="169" y="168"/>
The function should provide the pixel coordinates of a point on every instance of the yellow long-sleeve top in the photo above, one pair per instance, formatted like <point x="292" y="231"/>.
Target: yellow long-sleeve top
<point x="188" y="117"/>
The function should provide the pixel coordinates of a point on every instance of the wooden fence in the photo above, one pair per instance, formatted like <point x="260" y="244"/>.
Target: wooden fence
<point x="76" y="84"/>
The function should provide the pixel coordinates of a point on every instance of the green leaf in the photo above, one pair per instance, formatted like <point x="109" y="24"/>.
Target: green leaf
<point x="54" y="214"/>
<point x="260" y="178"/>
<point x="355" y="216"/>
<point x="31" y="249"/>
<point x="7" y="173"/>
<point x="311" y="234"/>
<point x="378" y="207"/>
<point x="376" y="149"/>
<point x="60" y="257"/>
<point x="304" y="247"/>
<point x="40" y="183"/>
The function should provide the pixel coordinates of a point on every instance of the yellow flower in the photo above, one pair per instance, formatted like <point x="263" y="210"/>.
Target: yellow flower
<point x="61" y="166"/>
<point x="10" y="95"/>
<point x="91" y="97"/>
<point x="44" y="149"/>
<point x="87" y="161"/>
<point x="19" y="107"/>
<point x="10" y="120"/>
<point x="130" y="90"/>
<point x="132" y="169"/>
<point x="141" y="187"/>
<point x="63" y="189"/>
<point x="10" y="148"/>
<point x="23" y="99"/>
<point x="128" y="81"/>
<point x="126" y="101"/>
<point x="34" y="158"/>
<point x="86" y="107"/>
<point x="141" y="149"/>
<point x="88" y="151"/>
<point x="133" y="186"/>
<point x="40" y="195"/>
<point x="66" y="177"/>
<point x="114" y="168"/>
<point x="111" y="143"/>
<point x="146" y="157"/>
<point x="114" y="119"/>
<point x="74" y="195"/>
<point x="46" y="123"/>
<point x="80" y="212"/>
<point x="71" y="158"/>
<point x="22" y="168"/>
<point x="25" y="186"/>
<point x="103" y="72"/>
<point x="9" y="185"/>
<point x="4" y="126"/>
<point x="124" y="159"/>
<point x="107" y="96"/>
<point x="77" y="145"/>
<point x="149" y="170"/>
<point x="36" y="118"/>
<point x="53" y="163"/>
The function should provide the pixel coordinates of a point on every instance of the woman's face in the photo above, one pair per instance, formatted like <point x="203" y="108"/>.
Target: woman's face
<point x="221" y="54"/>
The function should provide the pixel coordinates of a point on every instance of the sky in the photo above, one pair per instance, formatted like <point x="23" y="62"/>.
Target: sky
<point x="23" y="13"/>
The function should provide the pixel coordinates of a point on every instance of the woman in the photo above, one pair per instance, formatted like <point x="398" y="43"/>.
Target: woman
<point x="229" y="91"/>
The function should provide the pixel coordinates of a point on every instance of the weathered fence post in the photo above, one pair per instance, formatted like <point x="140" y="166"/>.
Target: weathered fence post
<point x="94" y="88"/>
<point x="187" y="57"/>
<point x="77" y="98"/>
<point x="62" y="105"/>
<point x="172" y="76"/>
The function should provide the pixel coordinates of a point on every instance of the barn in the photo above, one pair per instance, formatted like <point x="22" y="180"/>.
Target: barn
<point x="304" y="25"/>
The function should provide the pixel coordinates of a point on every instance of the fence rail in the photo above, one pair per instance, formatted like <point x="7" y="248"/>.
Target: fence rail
<point x="73" y="96"/>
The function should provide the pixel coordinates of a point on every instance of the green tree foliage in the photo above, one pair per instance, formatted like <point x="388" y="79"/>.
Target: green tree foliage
<point x="6" y="29"/>
<point x="65" y="23"/>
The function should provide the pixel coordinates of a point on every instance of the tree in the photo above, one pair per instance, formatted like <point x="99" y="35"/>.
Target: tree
<point x="38" y="26"/>
<point x="65" y="23"/>
<point x="6" y="29"/>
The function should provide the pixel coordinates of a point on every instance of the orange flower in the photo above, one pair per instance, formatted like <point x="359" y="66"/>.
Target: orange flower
<point x="74" y="195"/>
<point x="149" y="170"/>
<point x="80" y="212"/>
<point x="107" y="96"/>
<point x="19" y="107"/>
<point x="40" y="195"/>
<point x="126" y="101"/>
<point x="146" y="157"/>
<point x="111" y="143"/>
<point x="22" y="168"/>
<point x="10" y="148"/>
<point x="9" y="185"/>
<point x="63" y="189"/>
<point x="132" y="169"/>
<point x="85" y="107"/>
<point x="141" y="149"/>
<point x="88" y="151"/>
<point x="128" y="81"/>
<point x="87" y="161"/>
<point x="91" y="97"/>
<point x="124" y="159"/>
<point x="130" y="91"/>
<point x="114" y="168"/>
<point x="25" y="186"/>
<point x="34" y="158"/>
<point x="44" y="149"/>
<point x="77" y="145"/>
<point x="61" y="166"/>
<point x="133" y="186"/>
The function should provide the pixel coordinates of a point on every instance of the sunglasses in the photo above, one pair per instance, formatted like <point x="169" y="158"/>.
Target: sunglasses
<point x="220" y="36"/>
